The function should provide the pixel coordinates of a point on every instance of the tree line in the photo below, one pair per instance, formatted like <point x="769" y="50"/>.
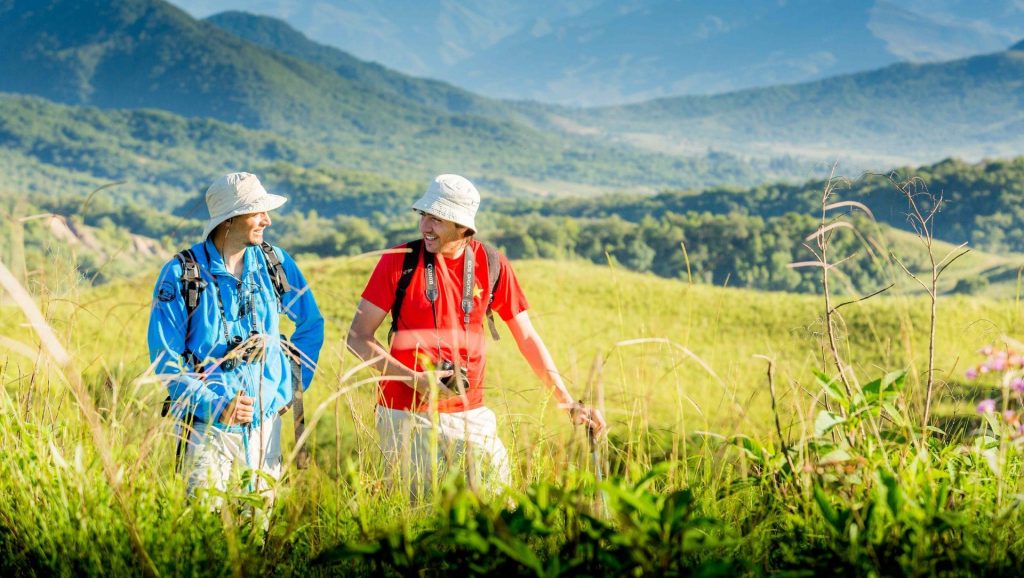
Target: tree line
<point x="721" y="236"/>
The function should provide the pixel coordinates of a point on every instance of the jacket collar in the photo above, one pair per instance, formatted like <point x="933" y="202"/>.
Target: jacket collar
<point x="216" y="264"/>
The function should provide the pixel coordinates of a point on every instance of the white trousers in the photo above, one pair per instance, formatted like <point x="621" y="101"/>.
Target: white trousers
<point x="219" y="460"/>
<point x="413" y="450"/>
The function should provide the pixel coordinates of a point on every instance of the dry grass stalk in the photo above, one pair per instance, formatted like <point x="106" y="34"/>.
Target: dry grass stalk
<point x="73" y="378"/>
<point x="923" y="222"/>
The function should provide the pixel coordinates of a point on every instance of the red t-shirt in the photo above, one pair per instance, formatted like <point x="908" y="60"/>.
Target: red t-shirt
<point x="419" y="344"/>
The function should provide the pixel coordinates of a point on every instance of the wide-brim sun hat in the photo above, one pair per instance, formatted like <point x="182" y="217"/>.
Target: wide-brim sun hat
<point x="452" y="198"/>
<point x="237" y="194"/>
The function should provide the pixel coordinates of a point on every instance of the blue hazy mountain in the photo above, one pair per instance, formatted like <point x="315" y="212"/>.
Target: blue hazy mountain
<point x="969" y="108"/>
<point x="334" y="108"/>
<point x="663" y="47"/>
<point x="150" y="54"/>
<point x="903" y="113"/>
<point x="279" y="36"/>
<point x="613" y="51"/>
<point x="419" y="37"/>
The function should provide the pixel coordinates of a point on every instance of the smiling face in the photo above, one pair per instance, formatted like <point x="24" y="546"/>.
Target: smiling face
<point x="243" y="230"/>
<point x="441" y="236"/>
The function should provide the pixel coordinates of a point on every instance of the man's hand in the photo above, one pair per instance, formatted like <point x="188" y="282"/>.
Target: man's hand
<point x="422" y="381"/>
<point x="588" y="416"/>
<point x="239" y="411"/>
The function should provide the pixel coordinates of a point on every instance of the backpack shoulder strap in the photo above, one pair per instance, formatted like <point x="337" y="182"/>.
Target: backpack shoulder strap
<point x="192" y="283"/>
<point x="493" y="276"/>
<point x="409" y="263"/>
<point x="192" y="286"/>
<point x="276" y="270"/>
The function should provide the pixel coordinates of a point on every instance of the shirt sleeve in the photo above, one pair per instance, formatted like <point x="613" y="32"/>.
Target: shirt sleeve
<point x="509" y="299"/>
<point x="300" y="306"/>
<point x="166" y="339"/>
<point x="380" y="289"/>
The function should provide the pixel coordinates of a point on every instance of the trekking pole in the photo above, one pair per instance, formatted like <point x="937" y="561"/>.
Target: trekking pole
<point x="246" y="431"/>
<point x="299" y="415"/>
<point x="595" y="455"/>
<point x="298" y="407"/>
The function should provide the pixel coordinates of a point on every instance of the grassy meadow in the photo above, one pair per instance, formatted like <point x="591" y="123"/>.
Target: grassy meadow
<point x="704" y="477"/>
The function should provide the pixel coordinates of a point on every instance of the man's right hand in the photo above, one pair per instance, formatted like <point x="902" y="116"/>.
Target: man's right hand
<point x="239" y="411"/>
<point x="423" y="380"/>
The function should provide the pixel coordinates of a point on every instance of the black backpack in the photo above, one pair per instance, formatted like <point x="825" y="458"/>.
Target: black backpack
<point x="411" y="261"/>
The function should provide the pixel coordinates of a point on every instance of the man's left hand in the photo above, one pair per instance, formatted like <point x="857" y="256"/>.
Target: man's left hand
<point x="588" y="416"/>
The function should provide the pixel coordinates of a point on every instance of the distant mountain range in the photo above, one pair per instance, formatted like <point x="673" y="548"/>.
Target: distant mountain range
<point x="138" y="91"/>
<point x="902" y="114"/>
<point x="277" y="35"/>
<point x="133" y="54"/>
<point x="310" y="105"/>
<point x="908" y="113"/>
<point x="149" y="54"/>
<point x="600" y="52"/>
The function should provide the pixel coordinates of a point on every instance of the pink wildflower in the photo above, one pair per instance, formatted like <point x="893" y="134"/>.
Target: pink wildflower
<point x="987" y="406"/>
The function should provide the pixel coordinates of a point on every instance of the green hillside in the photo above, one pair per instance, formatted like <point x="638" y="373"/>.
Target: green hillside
<point x="147" y="54"/>
<point x="177" y="154"/>
<point x="277" y="35"/>
<point x="718" y="237"/>
<point x="748" y="235"/>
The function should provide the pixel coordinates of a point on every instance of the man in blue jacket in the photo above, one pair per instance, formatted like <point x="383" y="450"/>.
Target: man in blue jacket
<point x="221" y="354"/>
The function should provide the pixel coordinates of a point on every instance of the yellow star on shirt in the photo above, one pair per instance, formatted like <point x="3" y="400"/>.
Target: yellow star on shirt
<point x="477" y="291"/>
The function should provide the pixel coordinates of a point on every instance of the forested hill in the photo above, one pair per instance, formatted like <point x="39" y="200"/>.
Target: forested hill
<point x="167" y="160"/>
<point x="982" y="203"/>
<point x="147" y="54"/>
<point x="277" y="35"/>
<point x="741" y="238"/>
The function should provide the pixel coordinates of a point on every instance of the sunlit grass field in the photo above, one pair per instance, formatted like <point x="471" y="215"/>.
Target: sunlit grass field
<point x="679" y="369"/>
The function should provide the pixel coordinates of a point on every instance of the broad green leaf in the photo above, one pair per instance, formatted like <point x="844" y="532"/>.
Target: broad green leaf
<point x="827" y="511"/>
<point x="894" y="380"/>
<point x="520" y="552"/>
<point x="830" y="386"/>
<point x="754" y="450"/>
<point x="872" y="389"/>
<point x="835" y="456"/>
<point x="825" y="421"/>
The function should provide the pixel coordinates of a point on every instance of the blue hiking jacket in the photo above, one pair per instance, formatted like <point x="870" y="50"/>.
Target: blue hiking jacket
<point x="250" y="304"/>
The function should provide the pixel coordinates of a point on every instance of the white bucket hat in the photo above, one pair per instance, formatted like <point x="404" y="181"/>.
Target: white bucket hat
<point x="237" y="194"/>
<point x="452" y="198"/>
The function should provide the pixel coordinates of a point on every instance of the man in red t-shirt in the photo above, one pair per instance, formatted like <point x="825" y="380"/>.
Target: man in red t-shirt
<point x="439" y="347"/>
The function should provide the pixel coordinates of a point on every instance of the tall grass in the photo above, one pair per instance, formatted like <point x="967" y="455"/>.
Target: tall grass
<point x="717" y="466"/>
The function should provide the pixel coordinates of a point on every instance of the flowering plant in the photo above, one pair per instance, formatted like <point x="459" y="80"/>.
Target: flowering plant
<point x="1008" y="363"/>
